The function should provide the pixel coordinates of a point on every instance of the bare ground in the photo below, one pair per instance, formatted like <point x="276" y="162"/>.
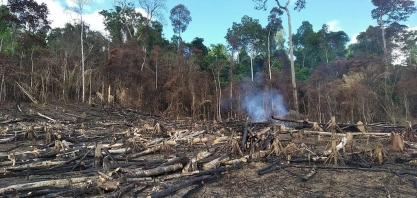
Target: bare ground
<point x="393" y="178"/>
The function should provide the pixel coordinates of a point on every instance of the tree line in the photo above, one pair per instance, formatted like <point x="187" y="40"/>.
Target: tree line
<point x="316" y="73"/>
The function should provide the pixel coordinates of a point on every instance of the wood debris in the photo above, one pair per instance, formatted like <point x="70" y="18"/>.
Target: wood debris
<point x="127" y="152"/>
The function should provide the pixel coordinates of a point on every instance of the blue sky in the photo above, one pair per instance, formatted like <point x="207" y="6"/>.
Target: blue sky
<point x="212" y="18"/>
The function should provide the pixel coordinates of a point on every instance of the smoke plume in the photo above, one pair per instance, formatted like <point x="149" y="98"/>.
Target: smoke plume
<point x="261" y="105"/>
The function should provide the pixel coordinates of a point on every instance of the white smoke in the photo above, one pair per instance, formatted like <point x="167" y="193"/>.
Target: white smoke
<point x="261" y="105"/>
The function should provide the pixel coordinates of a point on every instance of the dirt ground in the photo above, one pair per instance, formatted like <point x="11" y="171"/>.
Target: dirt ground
<point x="396" y="177"/>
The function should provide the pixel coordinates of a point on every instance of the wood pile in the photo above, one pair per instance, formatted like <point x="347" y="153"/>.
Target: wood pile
<point x="89" y="151"/>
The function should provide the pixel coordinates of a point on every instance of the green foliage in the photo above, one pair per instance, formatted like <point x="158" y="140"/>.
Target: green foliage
<point x="29" y="15"/>
<point x="313" y="48"/>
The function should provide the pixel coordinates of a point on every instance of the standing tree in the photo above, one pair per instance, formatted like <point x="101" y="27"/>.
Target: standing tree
<point x="122" y="21"/>
<point x="153" y="9"/>
<point x="274" y="24"/>
<point x="218" y="58"/>
<point x="389" y="11"/>
<point x="32" y="20"/>
<point x="249" y="35"/>
<point x="180" y="18"/>
<point x="299" y="5"/>
<point x="79" y="9"/>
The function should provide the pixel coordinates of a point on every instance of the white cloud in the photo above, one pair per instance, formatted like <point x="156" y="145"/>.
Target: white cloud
<point x="59" y="16"/>
<point x="334" y="26"/>
<point x="413" y="28"/>
<point x="70" y="3"/>
<point x="353" y="39"/>
<point x="95" y="20"/>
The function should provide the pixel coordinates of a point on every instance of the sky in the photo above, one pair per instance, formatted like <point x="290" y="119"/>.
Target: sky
<point x="212" y="18"/>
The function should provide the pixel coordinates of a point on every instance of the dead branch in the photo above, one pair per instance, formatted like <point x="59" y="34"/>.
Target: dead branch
<point x="27" y="93"/>
<point x="44" y="116"/>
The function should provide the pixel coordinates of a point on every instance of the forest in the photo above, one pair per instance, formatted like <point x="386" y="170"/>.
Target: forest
<point x="260" y="72"/>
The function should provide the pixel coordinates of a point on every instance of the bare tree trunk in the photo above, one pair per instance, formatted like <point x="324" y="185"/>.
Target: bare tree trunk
<point x="251" y="62"/>
<point x="144" y="58"/>
<point x="269" y="55"/>
<point x="1" y="43"/>
<point x="385" y="56"/>
<point x="220" y="97"/>
<point x="215" y="85"/>
<point x="31" y="75"/>
<point x="156" y="74"/>
<point x="295" y="95"/>
<point x="89" y="97"/>
<point x="82" y="58"/>
<point x="64" y="76"/>
<point x="2" y="89"/>
<point x="231" y="83"/>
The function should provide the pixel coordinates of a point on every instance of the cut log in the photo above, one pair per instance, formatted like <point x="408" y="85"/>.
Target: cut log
<point x="156" y="171"/>
<point x="146" y="152"/>
<point x="343" y="135"/>
<point x="58" y="182"/>
<point x="173" y="188"/>
<point x="192" y="164"/>
<point x="171" y="161"/>
<point x="338" y="147"/>
<point x="310" y="174"/>
<point x="121" y="191"/>
<point x="215" y="163"/>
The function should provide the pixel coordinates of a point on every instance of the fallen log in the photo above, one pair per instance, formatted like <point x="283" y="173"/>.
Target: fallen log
<point x="310" y="174"/>
<point x="58" y="182"/>
<point x="155" y="171"/>
<point x="270" y="167"/>
<point x="173" y="188"/>
<point x="121" y="191"/>
<point x="192" y="164"/>
<point x="146" y="152"/>
<point x="171" y="161"/>
<point x="344" y="135"/>
<point x="215" y="163"/>
<point x="193" y="191"/>
<point x="42" y="164"/>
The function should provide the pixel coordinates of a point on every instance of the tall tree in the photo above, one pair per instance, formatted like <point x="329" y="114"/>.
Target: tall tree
<point x="79" y="9"/>
<point x="122" y="21"/>
<point x="249" y="35"/>
<point x="6" y="21"/>
<point x="389" y="11"/>
<point x="30" y="15"/>
<point x="218" y="56"/>
<point x="274" y="24"/>
<point x="153" y="9"/>
<point x="299" y="5"/>
<point x="180" y="18"/>
<point x="333" y="43"/>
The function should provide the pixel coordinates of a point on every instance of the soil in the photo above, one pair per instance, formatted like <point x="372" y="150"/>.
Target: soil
<point x="393" y="178"/>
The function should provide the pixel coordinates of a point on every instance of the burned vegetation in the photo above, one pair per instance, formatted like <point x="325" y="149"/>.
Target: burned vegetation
<point x="86" y="151"/>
